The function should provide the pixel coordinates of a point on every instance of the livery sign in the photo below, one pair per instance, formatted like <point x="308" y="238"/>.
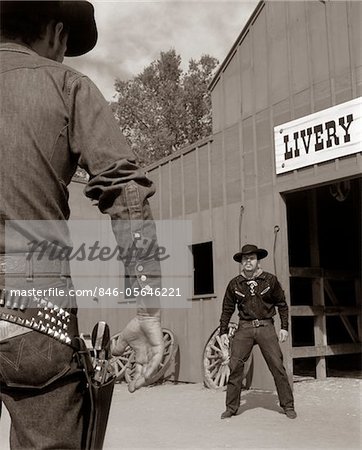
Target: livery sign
<point x="323" y="136"/>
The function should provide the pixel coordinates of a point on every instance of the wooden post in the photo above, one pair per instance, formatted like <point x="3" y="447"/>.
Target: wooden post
<point x="358" y="281"/>
<point x="320" y="327"/>
<point x="344" y="318"/>
<point x="358" y="291"/>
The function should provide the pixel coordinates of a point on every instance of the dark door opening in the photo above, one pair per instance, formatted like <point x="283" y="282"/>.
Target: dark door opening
<point x="324" y="240"/>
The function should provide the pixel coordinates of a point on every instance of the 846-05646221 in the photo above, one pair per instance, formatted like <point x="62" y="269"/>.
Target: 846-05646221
<point x="138" y="292"/>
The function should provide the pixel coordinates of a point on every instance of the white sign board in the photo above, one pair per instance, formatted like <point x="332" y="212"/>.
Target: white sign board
<point x="322" y="136"/>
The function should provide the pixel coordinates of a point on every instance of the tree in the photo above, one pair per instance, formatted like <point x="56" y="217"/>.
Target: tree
<point x="163" y="108"/>
<point x="197" y="98"/>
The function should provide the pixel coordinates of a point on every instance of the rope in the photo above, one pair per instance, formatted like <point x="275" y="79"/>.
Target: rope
<point x="240" y="224"/>
<point x="276" y="231"/>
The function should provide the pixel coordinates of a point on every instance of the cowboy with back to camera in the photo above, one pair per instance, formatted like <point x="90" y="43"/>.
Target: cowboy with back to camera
<point x="53" y="119"/>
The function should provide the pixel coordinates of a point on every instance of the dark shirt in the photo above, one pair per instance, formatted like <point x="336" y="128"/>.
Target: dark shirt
<point x="255" y="299"/>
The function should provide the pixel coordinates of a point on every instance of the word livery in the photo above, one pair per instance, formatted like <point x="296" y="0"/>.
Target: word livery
<point x="325" y="135"/>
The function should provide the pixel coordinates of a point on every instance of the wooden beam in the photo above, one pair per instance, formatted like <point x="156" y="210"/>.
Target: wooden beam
<point x="342" y="310"/>
<point x="358" y="292"/>
<point x="344" y="319"/>
<point x="320" y="326"/>
<point x="317" y="272"/>
<point x="358" y="280"/>
<point x="326" y="350"/>
<point x="308" y="311"/>
<point x="340" y="274"/>
<point x="306" y="272"/>
<point x="302" y="310"/>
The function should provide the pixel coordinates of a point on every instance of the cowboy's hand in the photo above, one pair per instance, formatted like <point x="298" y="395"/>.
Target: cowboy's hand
<point x="144" y="335"/>
<point x="224" y="340"/>
<point x="283" y="335"/>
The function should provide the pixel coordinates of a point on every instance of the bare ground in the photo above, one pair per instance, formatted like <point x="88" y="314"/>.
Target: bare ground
<point x="184" y="416"/>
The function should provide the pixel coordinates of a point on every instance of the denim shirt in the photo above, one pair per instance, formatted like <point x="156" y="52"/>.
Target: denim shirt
<point x="52" y="119"/>
<point x="255" y="299"/>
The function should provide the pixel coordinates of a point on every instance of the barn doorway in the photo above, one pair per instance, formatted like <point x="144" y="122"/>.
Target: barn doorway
<point x="324" y="241"/>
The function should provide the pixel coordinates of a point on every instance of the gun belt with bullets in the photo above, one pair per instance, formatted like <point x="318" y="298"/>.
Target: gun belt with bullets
<point x="42" y="316"/>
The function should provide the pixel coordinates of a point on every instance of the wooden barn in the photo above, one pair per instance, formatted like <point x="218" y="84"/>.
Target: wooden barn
<point x="282" y="169"/>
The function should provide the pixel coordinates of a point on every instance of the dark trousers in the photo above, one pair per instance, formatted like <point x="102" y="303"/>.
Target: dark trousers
<point x="43" y="389"/>
<point x="241" y="347"/>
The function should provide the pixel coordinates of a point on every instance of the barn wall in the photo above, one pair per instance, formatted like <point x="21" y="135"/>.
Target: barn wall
<point x="303" y="53"/>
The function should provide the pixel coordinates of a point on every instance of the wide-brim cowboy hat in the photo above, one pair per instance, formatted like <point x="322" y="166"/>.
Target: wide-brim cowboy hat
<point x="77" y="16"/>
<point x="248" y="249"/>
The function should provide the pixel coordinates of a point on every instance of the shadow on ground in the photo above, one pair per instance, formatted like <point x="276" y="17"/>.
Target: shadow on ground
<point x="254" y="399"/>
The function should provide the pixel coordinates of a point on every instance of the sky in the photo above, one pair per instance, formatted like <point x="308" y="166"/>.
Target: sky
<point x="133" y="33"/>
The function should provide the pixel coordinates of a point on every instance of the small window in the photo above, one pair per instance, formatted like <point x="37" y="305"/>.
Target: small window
<point x="203" y="268"/>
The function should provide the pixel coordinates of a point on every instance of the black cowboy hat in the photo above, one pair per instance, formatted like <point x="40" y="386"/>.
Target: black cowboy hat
<point x="249" y="249"/>
<point x="77" y="16"/>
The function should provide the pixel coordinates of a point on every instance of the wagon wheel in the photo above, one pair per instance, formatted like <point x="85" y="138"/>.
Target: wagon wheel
<point x="119" y="363"/>
<point x="171" y="347"/>
<point x="216" y="361"/>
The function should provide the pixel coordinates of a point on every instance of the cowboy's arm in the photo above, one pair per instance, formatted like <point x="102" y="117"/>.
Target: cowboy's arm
<point x="119" y="186"/>
<point x="283" y="310"/>
<point x="121" y="190"/>
<point x="228" y="308"/>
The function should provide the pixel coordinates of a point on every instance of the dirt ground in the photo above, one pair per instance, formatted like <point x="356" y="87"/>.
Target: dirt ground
<point x="172" y="416"/>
